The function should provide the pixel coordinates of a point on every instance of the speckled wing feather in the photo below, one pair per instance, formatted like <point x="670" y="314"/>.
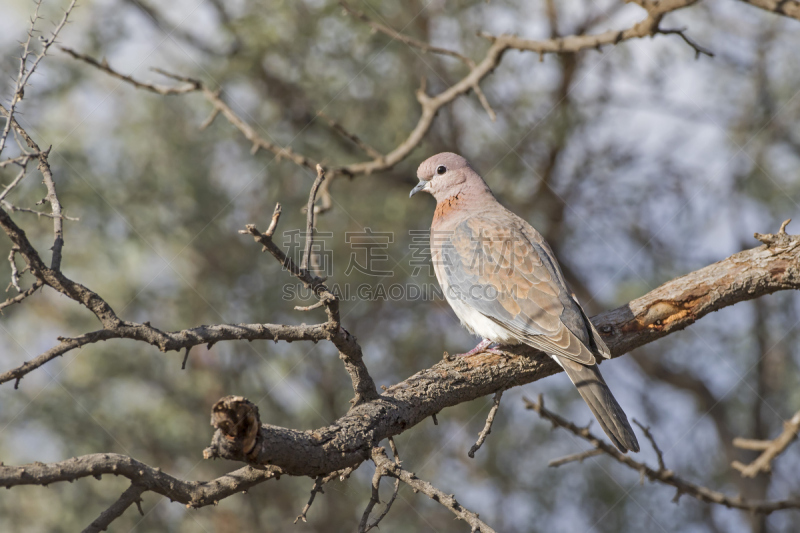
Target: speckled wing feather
<point x="501" y="267"/>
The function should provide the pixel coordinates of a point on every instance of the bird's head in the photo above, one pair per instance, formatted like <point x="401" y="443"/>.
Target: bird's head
<point x="445" y="175"/>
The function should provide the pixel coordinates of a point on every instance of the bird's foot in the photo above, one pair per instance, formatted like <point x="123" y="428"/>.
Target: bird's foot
<point x="484" y="346"/>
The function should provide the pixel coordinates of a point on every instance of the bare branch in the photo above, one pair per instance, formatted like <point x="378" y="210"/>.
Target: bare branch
<point x="363" y="526"/>
<point x="314" y="490"/>
<point x="49" y="182"/>
<point x="488" y="427"/>
<point x="447" y="500"/>
<point x="576" y="457"/>
<point x="21" y="296"/>
<point x="15" y="209"/>
<point x="352" y="137"/>
<point x="649" y="435"/>
<point x="14" y="182"/>
<point x="172" y="340"/>
<point x="751" y="444"/>
<point x="698" y="50"/>
<point x="410" y="41"/>
<point x="430" y="105"/>
<point x="25" y="72"/>
<point x="374" y="499"/>
<point x="130" y="496"/>
<point x="661" y="475"/>
<point x="158" y="89"/>
<point x="771" y="449"/>
<point x="192" y="493"/>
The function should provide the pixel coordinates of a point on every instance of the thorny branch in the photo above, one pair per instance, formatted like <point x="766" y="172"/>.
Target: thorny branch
<point x="661" y="474"/>
<point x="26" y="71"/>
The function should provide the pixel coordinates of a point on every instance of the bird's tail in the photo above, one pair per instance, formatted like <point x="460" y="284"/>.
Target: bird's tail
<point x="604" y="406"/>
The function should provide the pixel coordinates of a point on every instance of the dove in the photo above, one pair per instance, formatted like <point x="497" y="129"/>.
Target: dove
<point x="504" y="283"/>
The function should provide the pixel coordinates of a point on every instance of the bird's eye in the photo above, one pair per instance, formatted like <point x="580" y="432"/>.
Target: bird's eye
<point x="441" y="169"/>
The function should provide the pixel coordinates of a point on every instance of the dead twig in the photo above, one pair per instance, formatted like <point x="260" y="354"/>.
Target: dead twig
<point x="487" y="428"/>
<point x="576" y="457"/>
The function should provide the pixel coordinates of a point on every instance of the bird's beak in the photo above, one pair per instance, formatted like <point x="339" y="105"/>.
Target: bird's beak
<point x="421" y="186"/>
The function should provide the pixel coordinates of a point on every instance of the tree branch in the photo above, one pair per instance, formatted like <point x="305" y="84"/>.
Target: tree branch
<point x="771" y="449"/>
<point x="192" y="493"/>
<point x="430" y="105"/>
<point x="129" y="497"/>
<point x="662" y="475"/>
<point x="665" y="310"/>
<point x="487" y="428"/>
<point x="447" y="500"/>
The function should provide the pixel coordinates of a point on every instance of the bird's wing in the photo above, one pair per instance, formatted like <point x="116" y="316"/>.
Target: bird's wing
<point x="492" y="265"/>
<point x="537" y="240"/>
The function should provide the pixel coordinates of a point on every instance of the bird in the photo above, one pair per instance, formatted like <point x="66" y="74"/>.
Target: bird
<point x="504" y="283"/>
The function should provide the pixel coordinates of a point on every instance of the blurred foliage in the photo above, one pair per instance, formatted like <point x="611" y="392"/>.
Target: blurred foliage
<point x="639" y="163"/>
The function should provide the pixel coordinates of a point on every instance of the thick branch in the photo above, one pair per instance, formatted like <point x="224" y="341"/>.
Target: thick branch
<point x="669" y="308"/>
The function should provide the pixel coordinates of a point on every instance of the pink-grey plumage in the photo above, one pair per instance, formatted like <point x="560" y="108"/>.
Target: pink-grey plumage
<point x="504" y="284"/>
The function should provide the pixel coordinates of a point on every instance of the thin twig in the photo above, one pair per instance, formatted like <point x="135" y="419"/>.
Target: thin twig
<point x="13" y="183"/>
<point x="132" y="494"/>
<point x="447" y="500"/>
<point x="664" y="476"/>
<point x="352" y="137"/>
<point x="21" y="296"/>
<point x="698" y="50"/>
<point x="103" y="65"/>
<point x="410" y="41"/>
<point x="374" y="499"/>
<point x="659" y="454"/>
<point x="25" y="72"/>
<point x="363" y="527"/>
<point x="487" y="428"/>
<point x="15" y="209"/>
<point x="314" y="490"/>
<point x="575" y="457"/>
<point x="50" y="184"/>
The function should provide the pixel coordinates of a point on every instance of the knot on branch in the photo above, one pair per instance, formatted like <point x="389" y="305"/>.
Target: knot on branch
<point x="237" y="422"/>
<point x="778" y="239"/>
